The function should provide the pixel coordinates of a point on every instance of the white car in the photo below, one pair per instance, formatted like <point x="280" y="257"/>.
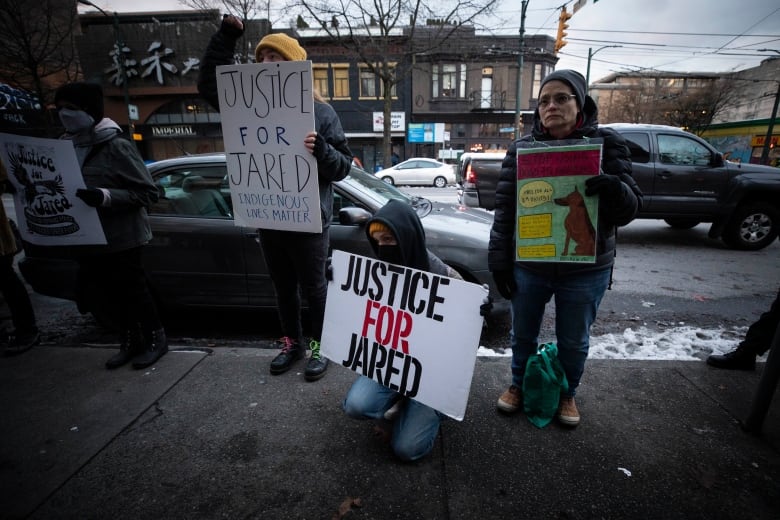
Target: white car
<point x="419" y="172"/>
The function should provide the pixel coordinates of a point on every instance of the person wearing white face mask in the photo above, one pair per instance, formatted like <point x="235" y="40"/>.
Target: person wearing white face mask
<point x="120" y="187"/>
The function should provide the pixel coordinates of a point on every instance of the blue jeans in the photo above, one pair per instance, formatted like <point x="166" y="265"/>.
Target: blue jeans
<point x="577" y="299"/>
<point x="414" y="429"/>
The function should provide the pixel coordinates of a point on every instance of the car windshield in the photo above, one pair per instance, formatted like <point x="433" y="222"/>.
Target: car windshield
<point x="381" y="192"/>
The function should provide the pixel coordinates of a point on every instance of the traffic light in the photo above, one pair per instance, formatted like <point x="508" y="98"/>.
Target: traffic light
<point x="562" y="26"/>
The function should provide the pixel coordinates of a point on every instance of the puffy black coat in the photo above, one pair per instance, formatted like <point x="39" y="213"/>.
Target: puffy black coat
<point x="616" y="160"/>
<point x="336" y="161"/>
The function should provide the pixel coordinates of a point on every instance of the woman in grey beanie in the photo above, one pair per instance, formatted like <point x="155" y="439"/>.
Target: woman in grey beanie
<point x="565" y="111"/>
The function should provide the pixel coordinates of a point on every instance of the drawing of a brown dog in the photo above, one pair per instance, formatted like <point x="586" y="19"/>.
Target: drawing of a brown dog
<point x="577" y="225"/>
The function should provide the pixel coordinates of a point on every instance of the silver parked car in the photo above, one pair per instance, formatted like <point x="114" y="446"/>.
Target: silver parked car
<point x="419" y="172"/>
<point x="199" y="258"/>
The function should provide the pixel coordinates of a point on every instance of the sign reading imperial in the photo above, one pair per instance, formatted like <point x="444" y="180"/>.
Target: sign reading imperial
<point x="172" y="131"/>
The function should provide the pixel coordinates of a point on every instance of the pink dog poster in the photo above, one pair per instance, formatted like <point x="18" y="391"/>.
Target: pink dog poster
<point x="556" y="221"/>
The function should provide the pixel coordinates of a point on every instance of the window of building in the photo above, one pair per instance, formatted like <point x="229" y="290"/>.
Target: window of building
<point x="371" y="86"/>
<point x="320" y="78"/>
<point x="458" y="130"/>
<point x="540" y="71"/>
<point x="449" y="80"/>
<point x="488" y="130"/>
<point x="184" y="111"/>
<point x="486" y="94"/>
<point x="368" y="81"/>
<point x="340" y="80"/>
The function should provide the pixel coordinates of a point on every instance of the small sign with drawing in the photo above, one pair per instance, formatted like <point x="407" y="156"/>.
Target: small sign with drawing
<point x="556" y="221"/>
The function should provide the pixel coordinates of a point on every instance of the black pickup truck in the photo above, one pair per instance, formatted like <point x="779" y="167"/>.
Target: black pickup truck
<point x="684" y="180"/>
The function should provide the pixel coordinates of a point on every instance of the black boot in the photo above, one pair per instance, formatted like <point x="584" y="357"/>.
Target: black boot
<point x="317" y="364"/>
<point x="743" y="358"/>
<point x="130" y="345"/>
<point x="156" y="347"/>
<point x="291" y="351"/>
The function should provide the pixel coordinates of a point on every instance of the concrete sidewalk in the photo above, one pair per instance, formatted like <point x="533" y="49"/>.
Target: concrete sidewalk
<point x="214" y="435"/>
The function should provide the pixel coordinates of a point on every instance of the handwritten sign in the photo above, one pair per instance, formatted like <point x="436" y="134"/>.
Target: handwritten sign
<point x="556" y="221"/>
<point x="412" y="331"/>
<point x="267" y="109"/>
<point x="46" y="175"/>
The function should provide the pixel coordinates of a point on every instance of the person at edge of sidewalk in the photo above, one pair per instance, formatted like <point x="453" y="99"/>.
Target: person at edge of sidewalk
<point x="120" y="188"/>
<point x="296" y="260"/>
<point x="758" y="340"/>
<point x="25" y="334"/>
<point x="564" y="112"/>
<point x="397" y="236"/>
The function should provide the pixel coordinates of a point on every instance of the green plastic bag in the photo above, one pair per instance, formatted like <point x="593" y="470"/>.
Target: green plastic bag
<point x="543" y="383"/>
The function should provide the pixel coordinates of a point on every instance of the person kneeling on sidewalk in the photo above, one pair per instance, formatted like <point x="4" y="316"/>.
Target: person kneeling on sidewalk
<point x="396" y="236"/>
<point x="757" y="341"/>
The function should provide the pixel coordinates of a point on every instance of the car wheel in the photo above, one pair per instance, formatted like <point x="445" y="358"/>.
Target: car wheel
<point x="681" y="223"/>
<point x="753" y="226"/>
<point x="388" y="180"/>
<point x="440" y="182"/>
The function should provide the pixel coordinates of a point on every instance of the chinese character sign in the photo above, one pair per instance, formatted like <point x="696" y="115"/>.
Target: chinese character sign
<point x="556" y="221"/>
<point x="267" y="109"/>
<point x="46" y="175"/>
<point x="412" y="331"/>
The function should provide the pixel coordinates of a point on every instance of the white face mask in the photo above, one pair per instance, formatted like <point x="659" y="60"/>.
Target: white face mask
<point x="75" y="121"/>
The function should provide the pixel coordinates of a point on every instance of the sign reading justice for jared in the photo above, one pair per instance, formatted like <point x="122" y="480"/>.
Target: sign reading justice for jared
<point x="412" y="331"/>
<point x="267" y="109"/>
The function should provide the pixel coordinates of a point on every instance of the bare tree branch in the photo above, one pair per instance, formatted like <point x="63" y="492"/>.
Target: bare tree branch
<point x="387" y="36"/>
<point x="39" y="50"/>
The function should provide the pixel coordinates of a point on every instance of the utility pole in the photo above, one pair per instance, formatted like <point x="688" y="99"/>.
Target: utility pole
<point x="770" y="128"/>
<point x="519" y="95"/>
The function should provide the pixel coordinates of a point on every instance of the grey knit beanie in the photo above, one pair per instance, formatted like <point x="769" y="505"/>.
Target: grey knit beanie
<point x="572" y="78"/>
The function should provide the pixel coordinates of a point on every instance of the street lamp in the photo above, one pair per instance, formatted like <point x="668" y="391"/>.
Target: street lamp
<point x="590" y="55"/>
<point x="120" y="62"/>
<point x="519" y="95"/>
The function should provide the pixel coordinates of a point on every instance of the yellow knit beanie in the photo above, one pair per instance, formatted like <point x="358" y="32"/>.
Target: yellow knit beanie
<point x="287" y="47"/>
<point x="377" y="226"/>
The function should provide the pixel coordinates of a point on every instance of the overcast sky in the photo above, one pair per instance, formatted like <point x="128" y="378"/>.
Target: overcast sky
<point x="675" y="35"/>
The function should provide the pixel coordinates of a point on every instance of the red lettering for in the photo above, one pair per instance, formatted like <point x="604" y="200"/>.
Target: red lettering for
<point x="390" y="327"/>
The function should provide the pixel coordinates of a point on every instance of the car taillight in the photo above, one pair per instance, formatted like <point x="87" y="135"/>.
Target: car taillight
<point x="470" y="175"/>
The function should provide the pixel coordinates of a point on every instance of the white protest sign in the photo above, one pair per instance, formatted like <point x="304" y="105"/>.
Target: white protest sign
<point x="267" y="109"/>
<point x="46" y="175"/>
<point x="412" y="331"/>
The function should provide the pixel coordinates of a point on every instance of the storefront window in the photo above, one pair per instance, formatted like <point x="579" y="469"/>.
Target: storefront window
<point x="185" y="111"/>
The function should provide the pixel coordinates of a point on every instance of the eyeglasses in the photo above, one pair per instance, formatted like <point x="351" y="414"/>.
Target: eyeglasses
<point x="558" y="99"/>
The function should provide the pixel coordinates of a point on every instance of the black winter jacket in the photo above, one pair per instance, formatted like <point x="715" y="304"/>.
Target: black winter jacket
<point x="113" y="163"/>
<point x="616" y="160"/>
<point x="334" y="164"/>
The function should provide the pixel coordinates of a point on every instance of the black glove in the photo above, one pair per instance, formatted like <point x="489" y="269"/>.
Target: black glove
<point x="505" y="283"/>
<point x="487" y="305"/>
<point x="91" y="196"/>
<point x="608" y="187"/>
<point x="320" y="147"/>
<point x="329" y="269"/>
<point x="229" y="27"/>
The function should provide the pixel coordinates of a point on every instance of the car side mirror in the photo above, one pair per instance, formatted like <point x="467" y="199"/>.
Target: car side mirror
<point x="353" y="216"/>
<point x="717" y="160"/>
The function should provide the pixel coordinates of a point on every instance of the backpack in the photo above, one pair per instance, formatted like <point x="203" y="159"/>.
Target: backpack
<point x="543" y="383"/>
